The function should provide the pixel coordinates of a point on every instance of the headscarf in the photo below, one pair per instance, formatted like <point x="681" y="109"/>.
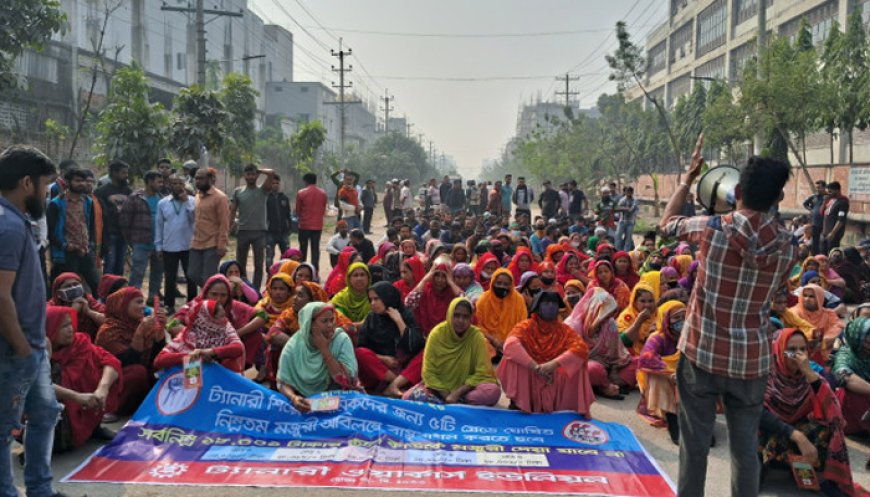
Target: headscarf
<point x="109" y="284"/>
<point x="272" y="308"/>
<point x="204" y="331"/>
<point x="646" y="265"/>
<point x="631" y="277"/>
<point x="671" y="273"/>
<point x="855" y="273"/>
<point x="576" y="284"/>
<point x="383" y="250"/>
<point x="302" y="366"/>
<point x="291" y="252"/>
<point x="688" y="281"/>
<point x="562" y="274"/>
<point x="617" y="287"/>
<point x="498" y="316"/>
<point x="514" y="265"/>
<point x="474" y="290"/>
<point x="352" y="304"/>
<point x="288" y="321"/>
<point x="547" y="340"/>
<point x="434" y="304"/>
<point x="680" y="247"/>
<point x="337" y="278"/>
<point x="658" y="356"/>
<point x="419" y="272"/>
<point x="822" y="318"/>
<point x="807" y="276"/>
<point x="552" y="249"/>
<point x="239" y="313"/>
<point x="681" y="263"/>
<point x="478" y="269"/>
<point x="288" y="267"/>
<point x="789" y="396"/>
<point x="851" y="358"/>
<point x="654" y="280"/>
<point x="461" y="246"/>
<point x="85" y="324"/>
<point x="629" y="315"/>
<point x="525" y="279"/>
<point x="380" y="333"/>
<point x="310" y="267"/>
<point x="795" y="281"/>
<point x="604" y="246"/>
<point x="605" y="347"/>
<point x="251" y="294"/>
<point x="116" y="333"/>
<point x="450" y="360"/>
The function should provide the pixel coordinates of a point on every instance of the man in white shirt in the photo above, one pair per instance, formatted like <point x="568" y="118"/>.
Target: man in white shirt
<point x="338" y="241"/>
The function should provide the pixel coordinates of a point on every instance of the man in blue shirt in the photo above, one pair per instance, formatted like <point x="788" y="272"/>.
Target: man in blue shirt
<point x="25" y="374"/>
<point x="173" y="234"/>
<point x="507" y="193"/>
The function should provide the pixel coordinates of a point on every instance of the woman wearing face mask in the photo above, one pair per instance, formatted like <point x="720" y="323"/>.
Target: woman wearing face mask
<point x="544" y="364"/>
<point x="463" y="276"/>
<point x="530" y="285"/>
<point x="657" y="370"/>
<point x="484" y="269"/>
<point x="574" y="290"/>
<point x="852" y="368"/>
<point x="653" y="262"/>
<point x="67" y="290"/>
<point x="670" y="278"/>
<point x="208" y="336"/>
<point x="637" y="321"/>
<point x="549" y="280"/>
<point x="606" y="279"/>
<point x="318" y="358"/>
<point x="623" y="269"/>
<point x="499" y="309"/>
<point x="389" y="344"/>
<point x="801" y="411"/>
<point x="456" y="364"/>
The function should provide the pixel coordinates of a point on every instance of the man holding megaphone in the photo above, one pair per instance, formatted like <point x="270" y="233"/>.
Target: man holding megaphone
<point x="745" y="256"/>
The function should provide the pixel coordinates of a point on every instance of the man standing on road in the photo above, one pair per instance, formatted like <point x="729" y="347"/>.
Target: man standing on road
<point x="628" y="209"/>
<point x="278" y="217"/>
<point x="815" y="204"/>
<point x="249" y="202"/>
<point x="369" y="198"/>
<point x="26" y="387"/>
<point x="745" y="257"/>
<point x="112" y="196"/>
<point x="211" y="227"/>
<point x="523" y="197"/>
<point x="605" y="210"/>
<point x="549" y="201"/>
<point x="836" y="210"/>
<point x="138" y="218"/>
<point x="507" y="194"/>
<point x="578" y="201"/>
<point x="164" y="167"/>
<point x="310" y="208"/>
<point x="72" y="230"/>
<point x="173" y="234"/>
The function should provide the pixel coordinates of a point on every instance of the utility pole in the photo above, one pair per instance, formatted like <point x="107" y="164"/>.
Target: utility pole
<point x="387" y="98"/>
<point x="200" y="12"/>
<point x="341" y="86"/>
<point x="408" y="130"/>
<point x="431" y="154"/>
<point x="568" y="93"/>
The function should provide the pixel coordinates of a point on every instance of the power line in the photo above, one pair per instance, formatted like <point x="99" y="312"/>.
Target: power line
<point x="302" y="6"/>
<point x="467" y="35"/>
<point x="472" y="78"/>
<point x="286" y="13"/>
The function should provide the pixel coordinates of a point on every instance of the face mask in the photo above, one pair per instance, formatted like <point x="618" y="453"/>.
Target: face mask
<point x="573" y="299"/>
<point x="673" y="284"/>
<point x="575" y="244"/>
<point x="485" y="275"/>
<point x="655" y="267"/>
<point x="501" y="292"/>
<point x="547" y="281"/>
<point x="677" y="327"/>
<point x="71" y="293"/>
<point x="548" y="311"/>
<point x="498" y="253"/>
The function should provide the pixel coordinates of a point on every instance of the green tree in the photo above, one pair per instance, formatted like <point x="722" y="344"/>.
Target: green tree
<point x="724" y="121"/>
<point x="198" y="123"/>
<point x="305" y="143"/>
<point x="688" y="116"/>
<point x="829" y="78"/>
<point x="853" y="81"/>
<point x="55" y="134"/>
<point x="239" y="98"/>
<point x="26" y="24"/>
<point x="130" y="127"/>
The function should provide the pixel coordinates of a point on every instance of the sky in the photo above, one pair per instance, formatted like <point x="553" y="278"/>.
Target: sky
<point x="459" y="69"/>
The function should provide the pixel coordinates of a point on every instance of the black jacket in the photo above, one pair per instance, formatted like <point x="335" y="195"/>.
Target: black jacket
<point x="278" y="213"/>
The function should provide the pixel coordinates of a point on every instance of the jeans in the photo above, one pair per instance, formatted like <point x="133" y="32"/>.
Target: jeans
<point x="116" y="253"/>
<point x="256" y="239"/>
<point x="624" y="232"/>
<point x="367" y="219"/>
<point x="203" y="265"/>
<point x="146" y="255"/>
<point x="25" y="388"/>
<point x="743" y="401"/>
<point x="353" y="222"/>
<point x="171" y="260"/>
<point x="312" y="238"/>
<point x="282" y="240"/>
<point x="83" y="265"/>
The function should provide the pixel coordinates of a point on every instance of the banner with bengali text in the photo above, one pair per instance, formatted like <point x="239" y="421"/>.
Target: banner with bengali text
<point x="232" y="431"/>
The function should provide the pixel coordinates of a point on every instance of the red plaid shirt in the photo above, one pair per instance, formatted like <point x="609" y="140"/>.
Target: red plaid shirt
<point x="743" y="261"/>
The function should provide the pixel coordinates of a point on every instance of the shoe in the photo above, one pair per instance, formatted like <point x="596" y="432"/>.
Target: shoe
<point x="103" y="434"/>
<point x="712" y="440"/>
<point x="673" y="427"/>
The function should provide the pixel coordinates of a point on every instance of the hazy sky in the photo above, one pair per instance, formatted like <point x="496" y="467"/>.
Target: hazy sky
<point x="470" y="120"/>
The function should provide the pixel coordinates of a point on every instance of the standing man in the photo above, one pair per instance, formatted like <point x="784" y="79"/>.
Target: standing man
<point x="745" y="257"/>
<point x="628" y="209"/>
<point x="472" y="193"/>
<point x="494" y="204"/>
<point x="405" y="197"/>
<point x="836" y="210"/>
<point x="278" y="217"/>
<point x="606" y="210"/>
<point x="189" y="168"/>
<point x="579" y="204"/>
<point x="369" y="198"/>
<point x="549" y="201"/>
<point x="507" y="193"/>
<point x="72" y="229"/>
<point x="211" y="227"/>
<point x="249" y="202"/>
<point x="173" y="234"/>
<point x="523" y="197"/>
<point x="815" y="203"/>
<point x="164" y="167"/>
<point x="26" y="388"/>
<point x="444" y="190"/>
<point x="310" y="208"/>
<point x="112" y="196"/>
<point x="388" y="204"/>
<point x="455" y="200"/>
<point x="138" y="218"/>
<point x="564" y="199"/>
<point x="338" y="241"/>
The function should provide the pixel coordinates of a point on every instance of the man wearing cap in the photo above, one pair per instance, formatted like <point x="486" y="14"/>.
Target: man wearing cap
<point x="523" y="197"/>
<point x="605" y="211"/>
<point x="190" y="167"/>
<point x="549" y="202"/>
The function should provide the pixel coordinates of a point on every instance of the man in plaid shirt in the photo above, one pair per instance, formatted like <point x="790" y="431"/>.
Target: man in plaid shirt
<point x="744" y="258"/>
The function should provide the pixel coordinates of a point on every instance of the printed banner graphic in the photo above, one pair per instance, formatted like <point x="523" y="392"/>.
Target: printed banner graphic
<point x="231" y="431"/>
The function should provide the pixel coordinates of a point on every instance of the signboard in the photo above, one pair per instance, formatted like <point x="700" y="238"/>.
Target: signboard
<point x="859" y="183"/>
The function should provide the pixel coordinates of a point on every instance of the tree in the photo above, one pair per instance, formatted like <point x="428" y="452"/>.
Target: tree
<point x="305" y="143"/>
<point x="724" y="121"/>
<point x="688" y="116"/>
<point x="827" y="115"/>
<point x="26" y="24"/>
<point x="239" y="98"/>
<point x="853" y="84"/>
<point x="197" y="123"/>
<point x="55" y="134"/>
<point x="130" y="127"/>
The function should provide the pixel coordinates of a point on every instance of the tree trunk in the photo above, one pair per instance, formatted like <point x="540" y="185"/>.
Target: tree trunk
<point x="797" y="154"/>
<point x="831" y="136"/>
<point x="851" y="158"/>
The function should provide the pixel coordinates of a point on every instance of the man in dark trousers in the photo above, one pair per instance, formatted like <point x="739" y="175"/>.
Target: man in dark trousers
<point x="369" y="199"/>
<point x="310" y="208"/>
<point x="112" y="196"/>
<point x="836" y="210"/>
<point x="249" y="202"/>
<point x="278" y="220"/>
<point x="815" y="204"/>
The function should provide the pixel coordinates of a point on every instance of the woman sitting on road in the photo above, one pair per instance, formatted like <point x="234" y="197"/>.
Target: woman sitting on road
<point x="410" y="274"/>
<point x="637" y="321"/>
<point x="852" y="368"/>
<point x="431" y="298"/>
<point x="68" y="290"/>
<point x="208" y="336"/>
<point x="456" y="364"/>
<point x="463" y="276"/>
<point x="318" y="358"/>
<point x="352" y="300"/>
<point x="606" y="279"/>
<point x="241" y="289"/>
<point x="499" y="309"/>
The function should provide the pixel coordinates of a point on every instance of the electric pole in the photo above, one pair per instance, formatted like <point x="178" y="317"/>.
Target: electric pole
<point x="568" y="93"/>
<point x="200" y="13"/>
<point x="408" y="130"/>
<point x="341" y="87"/>
<point x="387" y="98"/>
<point x="431" y="154"/>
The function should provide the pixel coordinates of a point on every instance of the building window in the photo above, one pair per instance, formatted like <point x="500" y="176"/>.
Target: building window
<point x="167" y="64"/>
<point x="712" y="27"/>
<point x="747" y="9"/>
<point x="738" y="59"/>
<point x="820" y="19"/>
<point x="303" y="89"/>
<point x="714" y="69"/>
<point x="279" y="89"/>
<point x="37" y="66"/>
<point x="677" y="6"/>
<point x="657" y="58"/>
<point x="681" y="43"/>
<point x="181" y="61"/>
<point x="677" y="88"/>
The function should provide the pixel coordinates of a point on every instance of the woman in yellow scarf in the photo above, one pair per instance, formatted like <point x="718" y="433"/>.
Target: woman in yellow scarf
<point x="456" y="365"/>
<point x="637" y="321"/>
<point x="657" y="370"/>
<point x="654" y="280"/>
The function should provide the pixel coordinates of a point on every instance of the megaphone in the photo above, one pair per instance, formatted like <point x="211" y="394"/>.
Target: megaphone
<point x="716" y="189"/>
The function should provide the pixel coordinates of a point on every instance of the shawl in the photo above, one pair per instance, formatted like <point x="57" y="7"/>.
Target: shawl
<point x="562" y="274"/>
<point x="238" y="313"/>
<point x="109" y="284"/>
<point x="646" y="263"/>
<point x="301" y="365"/>
<point x="576" y="284"/>
<point x="288" y="267"/>
<point x="379" y="332"/>
<point x="592" y="242"/>
<point x="604" y="246"/>
<point x="637" y="257"/>
<point x="658" y="356"/>
<point x="617" y="288"/>
<point x="629" y="315"/>
<point x="474" y="290"/>
<point x="654" y="280"/>
<point x="552" y="249"/>
<point x="547" y="340"/>
<point x="605" y="346"/>
<point x="117" y="331"/>
<point x="457" y="247"/>
<point x="855" y="273"/>
<point x="631" y="277"/>
<point x="383" y="250"/>
<point x="336" y="280"/>
<point x="434" y="304"/>
<point x="681" y="263"/>
<point x="85" y="324"/>
<point x="688" y="281"/>
<point x="789" y="396"/>
<point x="419" y="272"/>
<point x="498" y="316"/>
<point x="451" y="361"/>
<point x="203" y="330"/>
<point x="288" y="321"/>
<point x="822" y="318"/>
<point x="81" y="369"/>
<point x="310" y="267"/>
<point x="670" y="273"/>
<point x="272" y="308"/>
<point x="850" y="359"/>
<point x="478" y="269"/>
<point x="352" y="304"/>
<point x="514" y="265"/>
<point x="795" y="281"/>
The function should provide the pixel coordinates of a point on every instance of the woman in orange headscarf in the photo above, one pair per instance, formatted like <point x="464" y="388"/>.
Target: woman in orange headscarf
<point x="811" y="308"/>
<point x="552" y="250"/>
<point x="499" y="309"/>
